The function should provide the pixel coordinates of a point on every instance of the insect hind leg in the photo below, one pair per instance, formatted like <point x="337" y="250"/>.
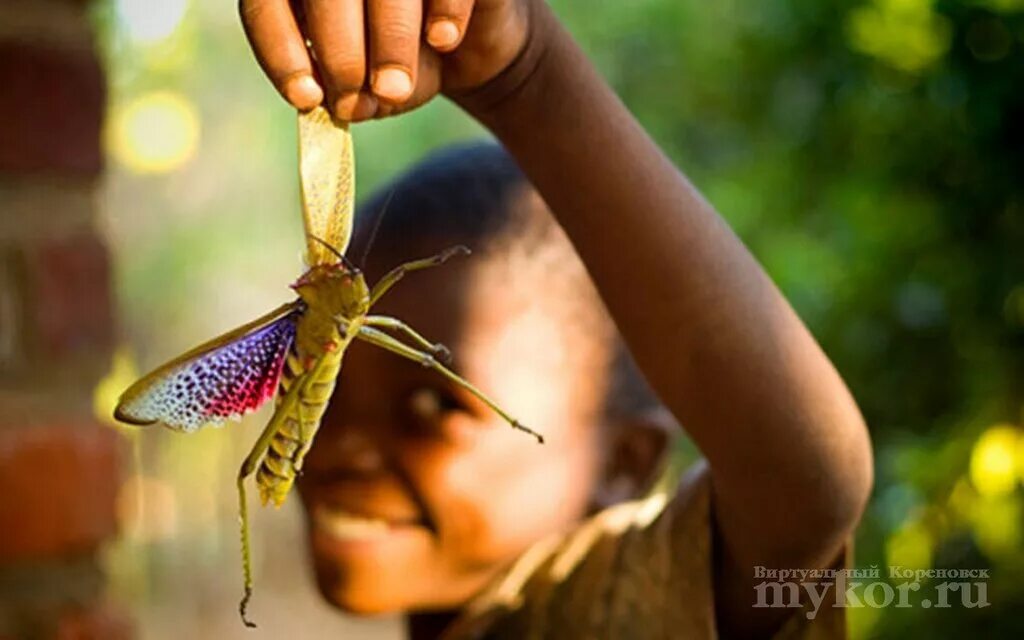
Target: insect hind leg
<point x="249" y="466"/>
<point x="438" y="350"/>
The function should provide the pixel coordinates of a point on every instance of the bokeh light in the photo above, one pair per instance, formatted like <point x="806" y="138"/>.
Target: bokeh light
<point x="147" y="508"/>
<point x="122" y="373"/>
<point x="1013" y="307"/>
<point x="906" y="34"/>
<point x="910" y="546"/>
<point x="996" y="526"/>
<point x="1007" y="6"/>
<point x="148" y="22"/>
<point x="994" y="461"/>
<point x="155" y="133"/>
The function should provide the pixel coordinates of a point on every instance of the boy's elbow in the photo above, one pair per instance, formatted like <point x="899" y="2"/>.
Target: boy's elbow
<point x="858" y="480"/>
<point x="824" y="501"/>
<point x="840" y="497"/>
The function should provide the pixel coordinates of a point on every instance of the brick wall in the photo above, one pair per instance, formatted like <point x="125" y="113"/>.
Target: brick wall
<point x="58" y="467"/>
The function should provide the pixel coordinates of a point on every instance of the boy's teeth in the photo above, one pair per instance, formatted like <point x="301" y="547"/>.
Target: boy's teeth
<point x="347" y="526"/>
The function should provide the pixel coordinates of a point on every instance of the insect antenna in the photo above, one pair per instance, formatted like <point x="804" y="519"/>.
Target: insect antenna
<point x="341" y="257"/>
<point x="376" y="227"/>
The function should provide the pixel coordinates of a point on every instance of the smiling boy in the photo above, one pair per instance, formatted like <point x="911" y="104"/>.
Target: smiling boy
<point x="420" y="500"/>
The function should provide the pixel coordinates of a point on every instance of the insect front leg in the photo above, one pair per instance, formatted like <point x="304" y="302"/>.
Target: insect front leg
<point x="396" y="274"/>
<point x="383" y="340"/>
<point x="248" y="467"/>
<point x="438" y="350"/>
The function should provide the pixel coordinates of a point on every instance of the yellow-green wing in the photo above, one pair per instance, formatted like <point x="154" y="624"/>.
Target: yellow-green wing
<point x="327" y="174"/>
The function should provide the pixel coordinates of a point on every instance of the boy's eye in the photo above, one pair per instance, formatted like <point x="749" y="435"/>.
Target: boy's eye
<point x="427" y="403"/>
<point x="439" y="415"/>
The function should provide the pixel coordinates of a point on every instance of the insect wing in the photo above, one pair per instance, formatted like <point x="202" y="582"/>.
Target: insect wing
<point x="326" y="171"/>
<point x="224" y="378"/>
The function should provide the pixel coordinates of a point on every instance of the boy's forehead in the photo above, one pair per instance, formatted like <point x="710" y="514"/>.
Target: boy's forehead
<point x="432" y="302"/>
<point x="537" y="291"/>
<point x="529" y="265"/>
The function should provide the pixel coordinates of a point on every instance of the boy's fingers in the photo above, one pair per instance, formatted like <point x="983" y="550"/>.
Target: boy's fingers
<point x="428" y="84"/>
<point x="336" y="31"/>
<point x="280" y="50"/>
<point x="366" y="106"/>
<point x="446" y="23"/>
<point x="394" y="27"/>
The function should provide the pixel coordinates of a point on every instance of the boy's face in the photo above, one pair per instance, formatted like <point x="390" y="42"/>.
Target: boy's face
<point x="416" y="493"/>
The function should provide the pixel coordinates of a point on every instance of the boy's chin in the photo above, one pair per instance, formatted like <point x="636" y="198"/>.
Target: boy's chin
<point x="353" y="600"/>
<point x="368" y="595"/>
<point x="370" y="581"/>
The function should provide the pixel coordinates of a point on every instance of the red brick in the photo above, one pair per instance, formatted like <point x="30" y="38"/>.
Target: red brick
<point x="51" y="110"/>
<point x="69" y="309"/>
<point x="58" y="485"/>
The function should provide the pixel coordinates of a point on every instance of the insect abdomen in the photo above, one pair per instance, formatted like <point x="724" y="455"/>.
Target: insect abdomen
<point x="293" y="438"/>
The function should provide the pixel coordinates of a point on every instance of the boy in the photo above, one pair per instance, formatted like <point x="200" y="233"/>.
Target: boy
<point x="419" y="500"/>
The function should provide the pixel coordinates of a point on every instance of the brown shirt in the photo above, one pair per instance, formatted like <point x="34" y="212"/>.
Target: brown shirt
<point x="638" y="570"/>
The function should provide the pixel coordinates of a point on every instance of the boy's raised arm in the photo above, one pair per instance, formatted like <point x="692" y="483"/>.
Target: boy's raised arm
<point x="789" y="453"/>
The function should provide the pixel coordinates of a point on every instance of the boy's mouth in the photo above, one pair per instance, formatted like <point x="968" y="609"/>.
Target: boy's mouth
<point x="346" y="526"/>
<point x="346" y="510"/>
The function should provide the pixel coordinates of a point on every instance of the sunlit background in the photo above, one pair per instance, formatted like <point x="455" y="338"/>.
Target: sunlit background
<point x="869" y="152"/>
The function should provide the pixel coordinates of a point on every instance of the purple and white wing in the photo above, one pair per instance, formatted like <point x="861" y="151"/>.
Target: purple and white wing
<point x="225" y="378"/>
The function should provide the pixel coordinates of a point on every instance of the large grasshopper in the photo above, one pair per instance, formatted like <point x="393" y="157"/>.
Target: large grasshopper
<point x="295" y="351"/>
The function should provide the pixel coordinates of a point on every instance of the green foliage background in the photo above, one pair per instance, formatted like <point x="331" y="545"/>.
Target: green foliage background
<point x="870" y="152"/>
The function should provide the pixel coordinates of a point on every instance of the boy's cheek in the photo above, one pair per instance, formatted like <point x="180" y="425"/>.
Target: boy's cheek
<point x="501" y="502"/>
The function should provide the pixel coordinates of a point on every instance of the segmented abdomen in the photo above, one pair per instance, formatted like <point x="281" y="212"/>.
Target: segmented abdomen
<point x="295" y="435"/>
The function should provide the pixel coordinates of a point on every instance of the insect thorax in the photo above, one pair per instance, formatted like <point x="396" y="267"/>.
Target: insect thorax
<point x="334" y="291"/>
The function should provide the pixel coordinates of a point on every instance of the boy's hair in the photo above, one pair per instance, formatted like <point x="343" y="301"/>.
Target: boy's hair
<point x="459" y="195"/>
<point x="466" y="194"/>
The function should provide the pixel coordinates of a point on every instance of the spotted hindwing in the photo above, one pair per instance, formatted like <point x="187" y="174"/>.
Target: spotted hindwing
<point x="225" y="378"/>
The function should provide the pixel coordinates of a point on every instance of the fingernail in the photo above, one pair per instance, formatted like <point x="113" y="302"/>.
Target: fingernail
<point x="392" y="83"/>
<point x="366" y="107"/>
<point x="345" y="106"/>
<point x="442" y="34"/>
<point x="303" y="92"/>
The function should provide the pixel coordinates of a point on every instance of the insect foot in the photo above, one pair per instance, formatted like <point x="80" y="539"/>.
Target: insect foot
<point x="442" y="354"/>
<point x="519" y="425"/>
<point x="243" y="605"/>
<point x="448" y="254"/>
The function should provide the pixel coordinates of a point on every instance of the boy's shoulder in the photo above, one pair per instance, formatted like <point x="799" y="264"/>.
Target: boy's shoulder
<point x="640" y="569"/>
<point x="623" y="573"/>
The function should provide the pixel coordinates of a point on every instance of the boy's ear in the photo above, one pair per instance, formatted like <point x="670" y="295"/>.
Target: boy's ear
<point x="635" y="450"/>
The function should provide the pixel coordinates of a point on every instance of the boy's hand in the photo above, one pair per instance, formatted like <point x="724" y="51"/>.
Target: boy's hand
<point x="373" y="58"/>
